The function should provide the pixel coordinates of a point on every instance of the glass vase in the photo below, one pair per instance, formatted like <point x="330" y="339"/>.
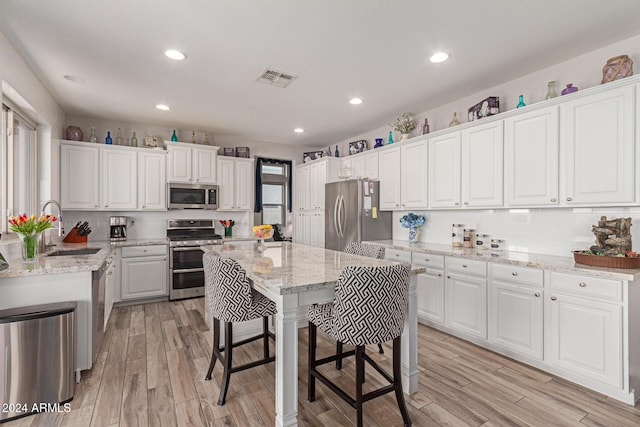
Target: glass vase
<point x="228" y="231"/>
<point x="29" y="245"/>
<point x="414" y="233"/>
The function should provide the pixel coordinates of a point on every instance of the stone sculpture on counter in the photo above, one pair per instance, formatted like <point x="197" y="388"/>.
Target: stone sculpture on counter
<point x="613" y="236"/>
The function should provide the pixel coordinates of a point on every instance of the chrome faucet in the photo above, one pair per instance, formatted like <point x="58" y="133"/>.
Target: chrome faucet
<point x="43" y="245"/>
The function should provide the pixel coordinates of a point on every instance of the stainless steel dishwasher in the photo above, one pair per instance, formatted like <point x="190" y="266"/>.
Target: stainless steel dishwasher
<point x="37" y="358"/>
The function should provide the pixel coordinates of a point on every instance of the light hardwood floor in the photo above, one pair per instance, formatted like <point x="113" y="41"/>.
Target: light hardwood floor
<point x="154" y="357"/>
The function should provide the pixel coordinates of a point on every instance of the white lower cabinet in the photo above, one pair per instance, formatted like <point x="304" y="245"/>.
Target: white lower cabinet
<point x="585" y="333"/>
<point x="466" y="306"/>
<point x="316" y="229"/>
<point x="144" y="272"/>
<point x="430" y="287"/>
<point x="516" y="310"/>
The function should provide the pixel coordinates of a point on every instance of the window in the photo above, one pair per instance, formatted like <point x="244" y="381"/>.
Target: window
<point x="274" y="188"/>
<point x="18" y="165"/>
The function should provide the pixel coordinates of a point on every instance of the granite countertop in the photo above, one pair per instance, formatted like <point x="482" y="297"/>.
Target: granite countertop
<point x="523" y="259"/>
<point x="288" y="268"/>
<point x="71" y="263"/>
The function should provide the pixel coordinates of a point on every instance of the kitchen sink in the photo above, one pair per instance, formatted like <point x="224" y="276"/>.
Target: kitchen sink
<point x="66" y="252"/>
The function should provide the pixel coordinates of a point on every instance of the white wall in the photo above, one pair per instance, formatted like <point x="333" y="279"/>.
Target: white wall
<point x="256" y="148"/>
<point x="583" y="71"/>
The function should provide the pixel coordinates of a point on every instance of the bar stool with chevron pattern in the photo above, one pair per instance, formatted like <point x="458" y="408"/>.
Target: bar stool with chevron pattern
<point x="370" y="250"/>
<point x="369" y="307"/>
<point x="231" y="299"/>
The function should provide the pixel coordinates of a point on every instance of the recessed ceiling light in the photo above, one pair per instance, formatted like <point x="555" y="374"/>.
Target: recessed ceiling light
<point x="355" y="101"/>
<point x="439" y="57"/>
<point x="298" y="130"/>
<point x="75" y="79"/>
<point x="163" y="107"/>
<point x="175" y="54"/>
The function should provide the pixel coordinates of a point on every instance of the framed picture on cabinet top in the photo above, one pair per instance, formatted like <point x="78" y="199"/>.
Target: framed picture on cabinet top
<point x="312" y="155"/>
<point x="485" y="108"/>
<point x="356" y="147"/>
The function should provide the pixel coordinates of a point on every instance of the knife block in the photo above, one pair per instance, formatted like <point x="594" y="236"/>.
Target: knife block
<point x="73" y="237"/>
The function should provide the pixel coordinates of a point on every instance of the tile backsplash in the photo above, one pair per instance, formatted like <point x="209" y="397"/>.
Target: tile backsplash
<point x="151" y="225"/>
<point x="555" y="231"/>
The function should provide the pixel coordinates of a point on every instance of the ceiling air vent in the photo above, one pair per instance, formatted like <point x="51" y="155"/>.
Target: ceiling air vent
<point x="275" y="78"/>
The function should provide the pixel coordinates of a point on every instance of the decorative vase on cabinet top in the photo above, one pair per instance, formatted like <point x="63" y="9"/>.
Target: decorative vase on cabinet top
<point x="74" y="133"/>
<point x="569" y="89"/>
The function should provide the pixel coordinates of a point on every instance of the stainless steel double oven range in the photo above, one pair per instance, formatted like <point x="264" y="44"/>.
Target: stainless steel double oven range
<point x="186" y="271"/>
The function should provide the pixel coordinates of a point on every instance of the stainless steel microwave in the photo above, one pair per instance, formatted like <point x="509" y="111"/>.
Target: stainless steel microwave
<point x="192" y="196"/>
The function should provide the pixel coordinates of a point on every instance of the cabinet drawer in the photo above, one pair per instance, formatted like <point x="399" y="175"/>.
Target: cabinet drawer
<point x="397" y="255"/>
<point x="512" y="273"/>
<point x="586" y="286"/>
<point x="427" y="260"/>
<point x="138" y="251"/>
<point x="467" y="266"/>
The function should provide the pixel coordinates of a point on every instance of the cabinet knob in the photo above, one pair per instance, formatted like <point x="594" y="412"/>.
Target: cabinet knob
<point x="144" y="206"/>
<point x="397" y="206"/>
<point x="553" y="298"/>
<point x="464" y="265"/>
<point x="514" y="274"/>
<point x="95" y="206"/>
<point x="569" y="199"/>
<point x="466" y="203"/>
<point x="439" y="274"/>
<point x="403" y="204"/>
<point x="537" y="294"/>
<point x="582" y="285"/>
<point x="106" y="206"/>
<point x="448" y="277"/>
<point x="427" y="259"/>
<point x="553" y="200"/>
<point x="457" y="203"/>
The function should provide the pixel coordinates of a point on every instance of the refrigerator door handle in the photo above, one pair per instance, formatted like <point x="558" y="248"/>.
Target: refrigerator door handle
<point x="340" y="209"/>
<point x="344" y="211"/>
<point x="335" y="215"/>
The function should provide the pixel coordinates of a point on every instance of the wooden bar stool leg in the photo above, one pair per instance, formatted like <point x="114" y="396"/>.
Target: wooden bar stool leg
<point x="216" y="347"/>
<point x="311" y="380"/>
<point x="359" y="381"/>
<point x="397" y="382"/>
<point x="228" y="351"/>
<point x="380" y="350"/>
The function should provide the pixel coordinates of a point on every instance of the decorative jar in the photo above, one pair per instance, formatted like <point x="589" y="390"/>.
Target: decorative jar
<point x="483" y="241"/>
<point x="497" y="244"/>
<point x="469" y="238"/>
<point x="457" y="235"/>
<point x="569" y="89"/>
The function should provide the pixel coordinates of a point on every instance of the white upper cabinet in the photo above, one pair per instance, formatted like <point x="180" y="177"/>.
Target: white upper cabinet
<point x="152" y="178"/>
<point x="362" y="165"/>
<point x="403" y="177"/>
<point x="191" y="163"/>
<point x="596" y="135"/>
<point x="119" y="179"/>
<point x="204" y="165"/>
<point x="531" y="158"/>
<point x="482" y="165"/>
<point x="444" y="171"/>
<point x="371" y="166"/>
<point x="413" y="176"/>
<point x="390" y="179"/>
<point x="79" y="177"/>
<point x="235" y="181"/>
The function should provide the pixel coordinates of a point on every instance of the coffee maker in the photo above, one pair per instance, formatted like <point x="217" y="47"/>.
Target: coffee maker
<point x="118" y="228"/>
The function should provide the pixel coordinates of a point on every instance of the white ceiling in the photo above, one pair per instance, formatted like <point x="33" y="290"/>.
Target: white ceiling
<point x="374" y="49"/>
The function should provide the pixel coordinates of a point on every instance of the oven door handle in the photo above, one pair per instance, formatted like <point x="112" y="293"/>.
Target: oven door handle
<point x="188" y="270"/>
<point x="190" y="248"/>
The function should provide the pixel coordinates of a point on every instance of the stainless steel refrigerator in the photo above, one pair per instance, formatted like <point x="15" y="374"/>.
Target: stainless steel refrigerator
<point x="352" y="213"/>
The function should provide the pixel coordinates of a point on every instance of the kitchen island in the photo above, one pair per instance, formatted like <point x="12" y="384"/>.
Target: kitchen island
<point x="294" y="275"/>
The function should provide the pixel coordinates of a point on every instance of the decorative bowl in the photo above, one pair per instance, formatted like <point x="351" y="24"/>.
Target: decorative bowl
<point x="263" y="232"/>
<point x="606" y="261"/>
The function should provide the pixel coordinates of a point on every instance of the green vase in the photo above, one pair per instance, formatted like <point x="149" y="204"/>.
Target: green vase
<point x="29" y="246"/>
<point x="228" y="231"/>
